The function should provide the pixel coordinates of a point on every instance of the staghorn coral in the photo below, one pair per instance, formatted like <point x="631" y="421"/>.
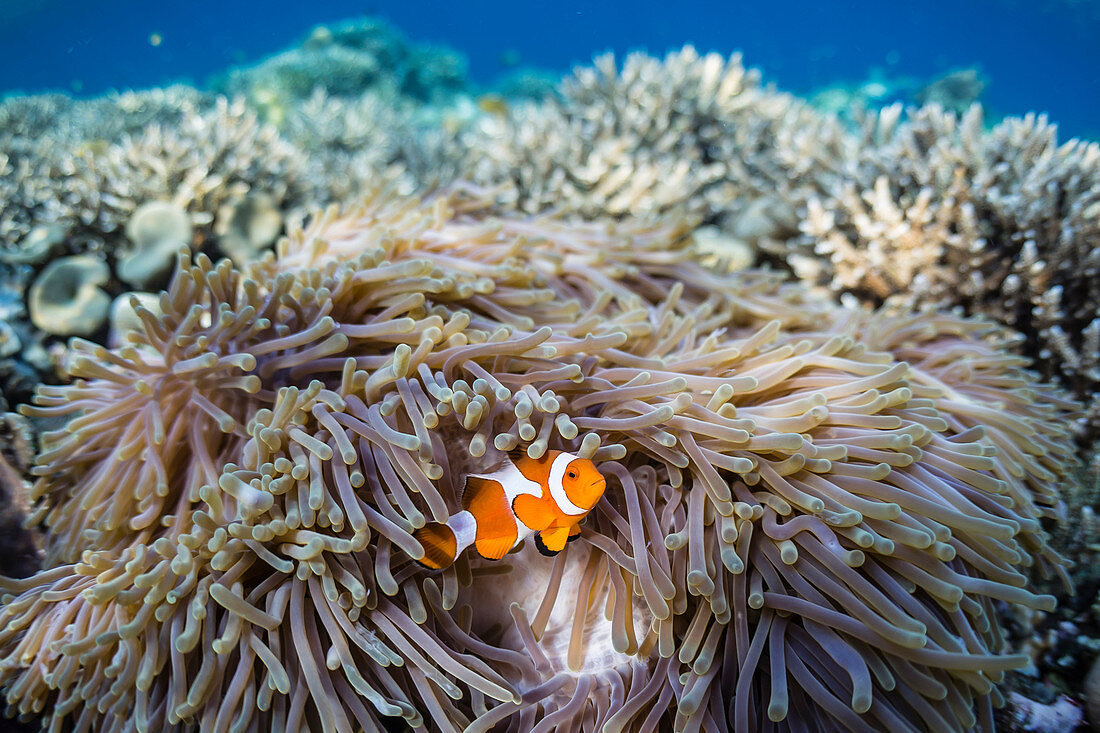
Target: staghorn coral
<point x="935" y="210"/>
<point x="25" y="120"/>
<point x="685" y="134"/>
<point x="352" y="141"/>
<point x="91" y="188"/>
<point x="810" y="512"/>
<point x="39" y="133"/>
<point x="208" y="159"/>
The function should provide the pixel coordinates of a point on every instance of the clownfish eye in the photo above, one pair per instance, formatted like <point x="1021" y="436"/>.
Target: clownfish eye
<point x="572" y="474"/>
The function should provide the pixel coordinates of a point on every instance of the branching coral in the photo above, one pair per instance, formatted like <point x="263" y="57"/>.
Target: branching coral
<point x="91" y="187"/>
<point x="128" y="203"/>
<point x="1006" y="223"/>
<point x="39" y="133"/>
<point x="353" y="140"/>
<point x="805" y="520"/>
<point x="685" y="134"/>
<point x="925" y="207"/>
<point x="209" y="158"/>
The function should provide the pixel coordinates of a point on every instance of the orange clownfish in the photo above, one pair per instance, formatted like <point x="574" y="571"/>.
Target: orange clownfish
<point x="546" y="497"/>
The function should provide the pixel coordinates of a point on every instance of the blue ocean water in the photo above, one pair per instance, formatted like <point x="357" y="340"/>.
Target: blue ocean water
<point x="1036" y="56"/>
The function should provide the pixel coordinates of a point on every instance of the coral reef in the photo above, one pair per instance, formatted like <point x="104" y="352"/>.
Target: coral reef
<point x="810" y="511"/>
<point x="955" y="90"/>
<point x="347" y="60"/>
<point x="932" y="209"/>
<point x="47" y="141"/>
<point x="91" y="187"/>
<point x="75" y="175"/>
<point x="816" y="516"/>
<point x="924" y="207"/>
<point x="353" y="141"/>
<point x="680" y="135"/>
<point x="125" y="205"/>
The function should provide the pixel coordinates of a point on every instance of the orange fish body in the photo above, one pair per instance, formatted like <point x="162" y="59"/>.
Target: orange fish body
<point x="546" y="497"/>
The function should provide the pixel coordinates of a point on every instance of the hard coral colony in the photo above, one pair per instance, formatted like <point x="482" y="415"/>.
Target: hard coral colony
<point x="809" y="515"/>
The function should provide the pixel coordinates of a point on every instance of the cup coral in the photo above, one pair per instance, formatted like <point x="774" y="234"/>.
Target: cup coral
<point x="809" y="513"/>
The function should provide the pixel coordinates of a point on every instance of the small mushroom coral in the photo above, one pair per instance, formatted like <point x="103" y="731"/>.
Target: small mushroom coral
<point x="156" y="230"/>
<point x="247" y="225"/>
<point x="67" y="297"/>
<point x="807" y="521"/>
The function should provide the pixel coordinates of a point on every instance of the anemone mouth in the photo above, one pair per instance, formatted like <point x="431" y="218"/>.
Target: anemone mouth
<point x="553" y="609"/>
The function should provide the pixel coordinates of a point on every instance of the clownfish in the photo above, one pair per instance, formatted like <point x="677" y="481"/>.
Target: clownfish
<point x="546" y="497"/>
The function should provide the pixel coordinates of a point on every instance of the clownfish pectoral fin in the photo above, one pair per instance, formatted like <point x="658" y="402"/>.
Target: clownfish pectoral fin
<point x="440" y="546"/>
<point x="497" y="531"/>
<point x="533" y="511"/>
<point x="552" y="541"/>
<point x="574" y="532"/>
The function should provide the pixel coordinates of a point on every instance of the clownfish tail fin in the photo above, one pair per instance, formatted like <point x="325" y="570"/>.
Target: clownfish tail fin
<point x="442" y="541"/>
<point x="439" y="543"/>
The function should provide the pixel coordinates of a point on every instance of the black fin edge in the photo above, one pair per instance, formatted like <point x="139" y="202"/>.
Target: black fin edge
<point x="543" y="549"/>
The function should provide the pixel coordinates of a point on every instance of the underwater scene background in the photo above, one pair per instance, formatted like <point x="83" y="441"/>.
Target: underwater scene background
<point x="312" y="317"/>
<point x="1032" y="56"/>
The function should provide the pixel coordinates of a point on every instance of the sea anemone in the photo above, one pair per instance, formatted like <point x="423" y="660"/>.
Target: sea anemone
<point x="805" y="524"/>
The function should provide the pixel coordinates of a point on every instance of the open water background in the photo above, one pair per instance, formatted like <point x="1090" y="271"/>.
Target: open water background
<point x="1038" y="56"/>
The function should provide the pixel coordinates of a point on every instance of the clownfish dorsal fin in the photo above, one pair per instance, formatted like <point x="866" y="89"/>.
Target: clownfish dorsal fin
<point x="519" y="455"/>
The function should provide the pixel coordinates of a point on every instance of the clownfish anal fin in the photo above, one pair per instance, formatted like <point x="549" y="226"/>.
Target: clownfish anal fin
<point x="552" y="541"/>
<point x="574" y="532"/>
<point x="496" y="525"/>
<point x="438" y="541"/>
<point x="494" y="549"/>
